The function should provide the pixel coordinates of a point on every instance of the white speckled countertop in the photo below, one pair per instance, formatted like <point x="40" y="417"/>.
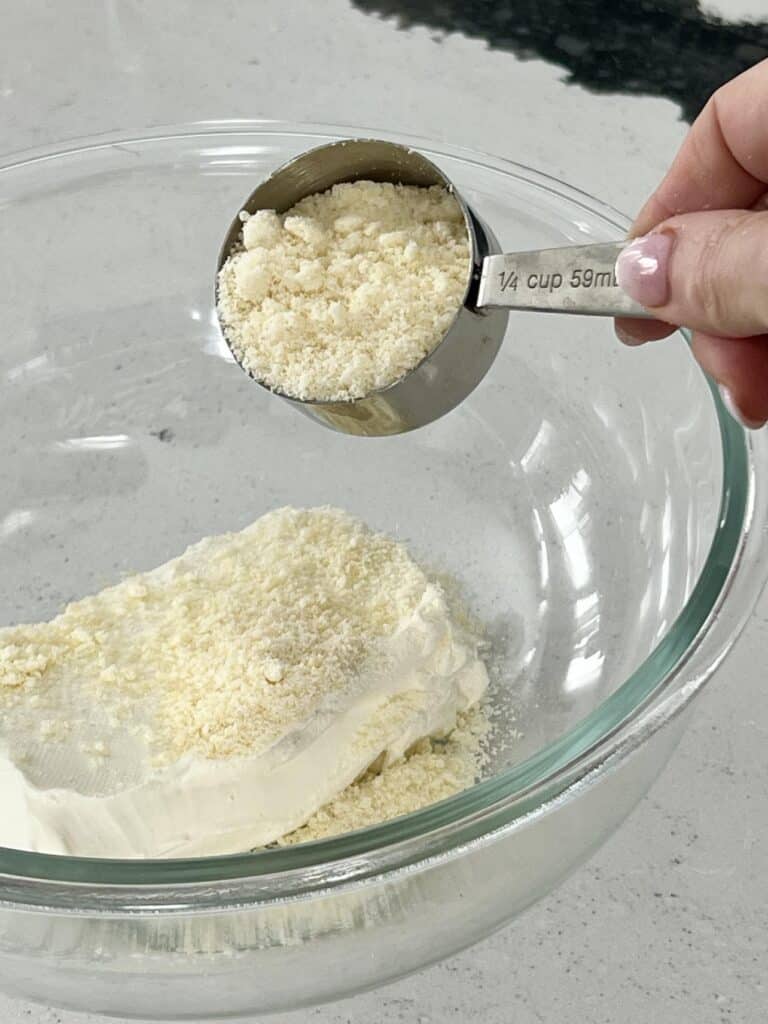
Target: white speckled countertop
<point x="669" y="921"/>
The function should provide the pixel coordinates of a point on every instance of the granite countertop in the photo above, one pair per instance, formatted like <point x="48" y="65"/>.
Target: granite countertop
<point x="668" y="922"/>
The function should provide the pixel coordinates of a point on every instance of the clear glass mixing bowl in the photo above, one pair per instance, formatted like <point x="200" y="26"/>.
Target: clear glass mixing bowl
<point x="602" y="511"/>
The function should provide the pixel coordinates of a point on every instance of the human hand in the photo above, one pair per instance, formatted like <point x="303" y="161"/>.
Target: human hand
<point x="699" y="258"/>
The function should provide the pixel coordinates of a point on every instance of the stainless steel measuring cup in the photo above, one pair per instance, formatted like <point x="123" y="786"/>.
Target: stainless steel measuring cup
<point x="576" y="279"/>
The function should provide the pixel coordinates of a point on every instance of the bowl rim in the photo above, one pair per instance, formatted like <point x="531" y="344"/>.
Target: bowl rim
<point x="501" y="801"/>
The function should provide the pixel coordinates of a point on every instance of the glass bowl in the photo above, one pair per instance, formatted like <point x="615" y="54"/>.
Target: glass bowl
<point x="601" y="510"/>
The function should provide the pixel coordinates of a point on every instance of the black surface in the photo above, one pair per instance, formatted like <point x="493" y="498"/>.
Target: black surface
<point x="668" y="48"/>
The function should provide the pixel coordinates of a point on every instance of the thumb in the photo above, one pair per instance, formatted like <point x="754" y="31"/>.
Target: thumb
<point x="707" y="271"/>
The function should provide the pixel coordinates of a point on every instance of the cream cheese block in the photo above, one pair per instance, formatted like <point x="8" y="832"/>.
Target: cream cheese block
<point x="215" y="703"/>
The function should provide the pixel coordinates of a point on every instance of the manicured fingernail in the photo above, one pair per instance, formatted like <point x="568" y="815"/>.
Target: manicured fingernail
<point x="626" y="338"/>
<point x="642" y="269"/>
<point x="735" y="411"/>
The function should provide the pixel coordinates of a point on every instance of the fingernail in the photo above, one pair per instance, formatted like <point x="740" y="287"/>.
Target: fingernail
<point x="735" y="411"/>
<point x="642" y="269"/>
<point x="626" y="338"/>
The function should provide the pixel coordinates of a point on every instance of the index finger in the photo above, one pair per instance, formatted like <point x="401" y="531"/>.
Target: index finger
<point x="723" y="162"/>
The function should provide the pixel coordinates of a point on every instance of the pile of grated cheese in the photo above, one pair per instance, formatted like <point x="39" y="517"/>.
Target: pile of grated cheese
<point x="433" y="770"/>
<point x="220" y="653"/>
<point x="347" y="291"/>
<point x="230" y="641"/>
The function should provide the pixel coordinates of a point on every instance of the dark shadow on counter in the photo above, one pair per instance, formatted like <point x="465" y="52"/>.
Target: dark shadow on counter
<point x="666" y="48"/>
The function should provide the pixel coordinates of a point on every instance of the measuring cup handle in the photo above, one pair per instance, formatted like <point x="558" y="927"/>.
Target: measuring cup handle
<point x="576" y="279"/>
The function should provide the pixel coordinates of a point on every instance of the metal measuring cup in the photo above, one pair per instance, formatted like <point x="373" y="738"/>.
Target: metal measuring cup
<point x="576" y="279"/>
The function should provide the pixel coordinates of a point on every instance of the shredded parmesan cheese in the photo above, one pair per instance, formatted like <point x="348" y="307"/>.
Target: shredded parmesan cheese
<point x="347" y="291"/>
<point x="235" y="639"/>
<point x="432" y="770"/>
<point x="221" y="700"/>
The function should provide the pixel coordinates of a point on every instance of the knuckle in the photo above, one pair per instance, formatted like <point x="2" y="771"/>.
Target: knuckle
<point x="710" y="290"/>
<point x="713" y="291"/>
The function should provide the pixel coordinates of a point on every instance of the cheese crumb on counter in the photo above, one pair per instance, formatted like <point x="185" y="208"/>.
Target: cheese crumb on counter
<point x="347" y="291"/>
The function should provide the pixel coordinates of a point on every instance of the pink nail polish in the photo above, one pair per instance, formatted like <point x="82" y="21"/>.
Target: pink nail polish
<point x="642" y="269"/>
<point x="735" y="411"/>
<point x="626" y="338"/>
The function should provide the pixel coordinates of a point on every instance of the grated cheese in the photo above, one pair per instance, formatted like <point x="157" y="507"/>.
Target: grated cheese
<point x="219" y="701"/>
<point x="347" y="291"/>
<point x="432" y="770"/>
<point x="235" y="639"/>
